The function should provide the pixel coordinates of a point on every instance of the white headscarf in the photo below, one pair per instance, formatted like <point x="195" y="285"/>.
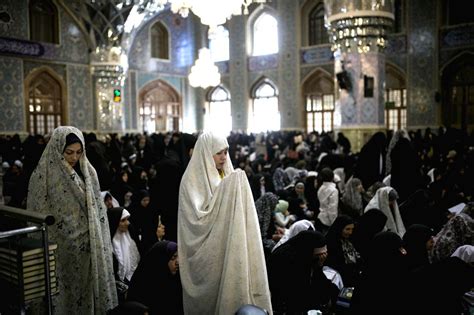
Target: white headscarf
<point x="295" y="228"/>
<point x="84" y="255"/>
<point x="380" y="201"/>
<point x="222" y="265"/>
<point x="126" y="251"/>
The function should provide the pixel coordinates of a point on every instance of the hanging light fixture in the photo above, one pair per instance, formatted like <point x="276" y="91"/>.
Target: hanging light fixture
<point x="204" y="73"/>
<point x="211" y="12"/>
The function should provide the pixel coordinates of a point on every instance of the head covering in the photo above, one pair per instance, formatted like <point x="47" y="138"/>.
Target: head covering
<point x="282" y="206"/>
<point x="217" y="233"/>
<point x="18" y="163"/>
<point x="381" y="201"/>
<point x="297" y="227"/>
<point x="414" y="241"/>
<point x="106" y="194"/>
<point x="124" y="247"/>
<point x="6" y="164"/>
<point x="265" y="206"/>
<point x="71" y="139"/>
<point x="82" y="232"/>
<point x="465" y="252"/>
<point x="153" y="269"/>
<point x="327" y="175"/>
<point x="352" y="198"/>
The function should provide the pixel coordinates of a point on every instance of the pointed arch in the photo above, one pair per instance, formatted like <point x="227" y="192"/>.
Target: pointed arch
<point x="457" y="84"/>
<point x="43" y="21"/>
<point x="262" y="17"/>
<point x="319" y="100"/>
<point x="395" y="97"/>
<point x="264" y="114"/>
<point x="160" y="108"/>
<point x="45" y="100"/>
<point x="159" y="41"/>
<point x="313" y="24"/>
<point x="218" y="117"/>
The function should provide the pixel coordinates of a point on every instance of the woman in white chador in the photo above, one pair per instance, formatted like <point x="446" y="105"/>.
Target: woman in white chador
<point x="222" y="265"/>
<point x="385" y="200"/>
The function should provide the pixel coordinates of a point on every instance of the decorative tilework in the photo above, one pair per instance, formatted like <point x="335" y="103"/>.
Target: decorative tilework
<point x="29" y="66"/>
<point x="16" y="25"/>
<point x="238" y="73"/>
<point x="12" y="113"/>
<point x="81" y="109"/>
<point x="316" y="55"/>
<point x="73" y="46"/>
<point x="260" y="63"/>
<point x="289" y="85"/>
<point x="182" y="46"/>
<point x="422" y="73"/>
<point x="457" y="36"/>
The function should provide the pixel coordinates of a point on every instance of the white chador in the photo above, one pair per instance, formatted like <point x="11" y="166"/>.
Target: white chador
<point x="380" y="201"/>
<point x="222" y="265"/>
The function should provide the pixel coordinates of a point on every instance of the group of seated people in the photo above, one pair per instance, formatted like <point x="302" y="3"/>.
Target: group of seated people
<point x="326" y="225"/>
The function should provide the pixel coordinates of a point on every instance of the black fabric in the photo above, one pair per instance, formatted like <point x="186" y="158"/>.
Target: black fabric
<point x="367" y="167"/>
<point x="369" y="224"/>
<point x="414" y="242"/>
<point x="153" y="284"/>
<point x="296" y="283"/>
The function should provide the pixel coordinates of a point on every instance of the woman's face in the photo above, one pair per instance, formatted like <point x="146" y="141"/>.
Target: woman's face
<point x="73" y="153"/>
<point x="108" y="202"/>
<point x="360" y="188"/>
<point x="125" y="177"/>
<point x="123" y="225"/>
<point x="320" y="257"/>
<point x="145" y="201"/>
<point x="173" y="264"/>
<point x="347" y="231"/>
<point x="220" y="158"/>
<point x="430" y="244"/>
<point x="299" y="189"/>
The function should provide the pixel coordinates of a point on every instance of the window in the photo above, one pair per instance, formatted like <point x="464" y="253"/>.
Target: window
<point x="159" y="41"/>
<point x="45" y="102"/>
<point x="160" y="108"/>
<point x="219" y="44"/>
<point x="264" y="114"/>
<point x="317" y="31"/>
<point x="43" y="22"/>
<point x="395" y="109"/>
<point x="319" y="112"/>
<point x="265" y="35"/>
<point x="395" y="99"/>
<point x="218" y="111"/>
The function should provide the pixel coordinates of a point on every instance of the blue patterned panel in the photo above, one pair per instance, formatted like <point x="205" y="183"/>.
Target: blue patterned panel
<point x="289" y="85"/>
<point x="14" y="21"/>
<point x="81" y="109"/>
<point x="182" y="46"/>
<point x="422" y="63"/>
<point x="259" y="63"/>
<point x="223" y="66"/>
<point x="12" y="107"/>
<point x="72" y="46"/>
<point x="29" y="66"/>
<point x="238" y="70"/>
<point x="316" y="55"/>
<point x="458" y="36"/>
<point x="132" y="77"/>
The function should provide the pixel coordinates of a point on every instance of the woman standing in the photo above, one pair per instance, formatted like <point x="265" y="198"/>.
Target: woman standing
<point x="222" y="265"/>
<point x="65" y="185"/>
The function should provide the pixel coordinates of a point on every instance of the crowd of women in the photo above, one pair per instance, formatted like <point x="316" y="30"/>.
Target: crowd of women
<point x="393" y="222"/>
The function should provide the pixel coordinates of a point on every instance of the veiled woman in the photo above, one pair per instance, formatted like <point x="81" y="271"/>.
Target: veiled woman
<point x="65" y="185"/>
<point x="222" y="264"/>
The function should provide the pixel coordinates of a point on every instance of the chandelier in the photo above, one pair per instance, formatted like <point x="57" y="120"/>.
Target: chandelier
<point x="211" y="12"/>
<point x="204" y="73"/>
<point x="359" y="26"/>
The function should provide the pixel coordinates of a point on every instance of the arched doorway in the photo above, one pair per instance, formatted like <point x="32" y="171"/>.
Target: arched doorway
<point x="458" y="93"/>
<point x="160" y="108"/>
<point x="318" y="95"/>
<point x="45" y="99"/>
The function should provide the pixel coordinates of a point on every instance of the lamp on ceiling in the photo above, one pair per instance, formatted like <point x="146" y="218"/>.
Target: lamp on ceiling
<point x="204" y="73"/>
<point x="211" y="12"/>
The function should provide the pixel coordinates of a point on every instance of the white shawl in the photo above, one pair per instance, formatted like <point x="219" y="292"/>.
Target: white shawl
<point x="222" y="265"/>
<point x="394" y="219"/>
<point x="126" y="251"/>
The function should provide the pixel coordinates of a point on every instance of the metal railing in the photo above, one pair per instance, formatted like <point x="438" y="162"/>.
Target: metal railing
<point x="40" y="224"/>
